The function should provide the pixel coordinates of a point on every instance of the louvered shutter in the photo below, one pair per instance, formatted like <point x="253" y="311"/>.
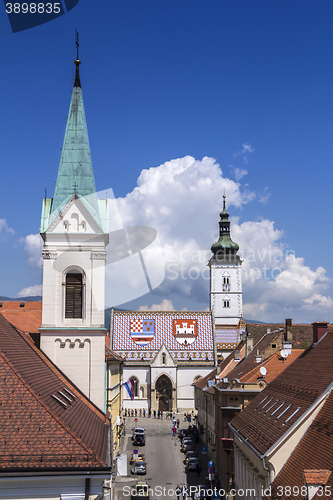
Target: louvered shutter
<point x="73" y="307"/>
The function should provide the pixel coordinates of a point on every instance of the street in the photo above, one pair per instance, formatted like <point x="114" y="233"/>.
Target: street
<point x="165" y="467"/>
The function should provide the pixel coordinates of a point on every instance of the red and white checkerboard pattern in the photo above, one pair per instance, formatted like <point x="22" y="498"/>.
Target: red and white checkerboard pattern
<point x="125" y="322"/>
<point x="136" y="326"/>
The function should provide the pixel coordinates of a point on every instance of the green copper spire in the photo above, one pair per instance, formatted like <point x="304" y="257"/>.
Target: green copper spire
<point x="225" y="248"/>
<point x="75" y="174"/>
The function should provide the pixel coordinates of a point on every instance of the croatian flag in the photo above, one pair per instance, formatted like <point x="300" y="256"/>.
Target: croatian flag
<point x="130" y="387"/>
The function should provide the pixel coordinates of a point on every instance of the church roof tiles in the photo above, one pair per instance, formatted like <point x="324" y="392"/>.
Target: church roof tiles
<point x="137" y="336"/>
<point x="46" y="422"/>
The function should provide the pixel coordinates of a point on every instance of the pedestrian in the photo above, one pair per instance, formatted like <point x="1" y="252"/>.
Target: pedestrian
<point x="136" y="412"/>
<point x="178" y="423"/>
<point x="154" y="413"/>
<point x="161" y="414"/>
<point x="158" y="414"/>
<point x="149" y="412"/>
<point x="144" y="412"/>
<point x="140" y="412"/>
<point x="178" y="491"/>
<point x="184" y="493"/>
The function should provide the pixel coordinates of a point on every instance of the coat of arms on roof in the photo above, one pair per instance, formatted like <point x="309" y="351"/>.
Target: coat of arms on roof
<point x="185" y="330"/>
<point x="142" y="330"/>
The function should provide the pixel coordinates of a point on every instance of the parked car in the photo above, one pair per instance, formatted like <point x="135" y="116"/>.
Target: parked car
<point x="138" y="457"/>
<point x="139" y="440"/>
<point x="192" y="464"/>
<point x="187" y="446"/>
<point x="190" y="454"/>
<point x="140" y="491"/>
<point x="139" y="467"/>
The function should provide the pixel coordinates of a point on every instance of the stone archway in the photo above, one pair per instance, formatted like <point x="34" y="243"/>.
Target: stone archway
<point x="163" y="387"/>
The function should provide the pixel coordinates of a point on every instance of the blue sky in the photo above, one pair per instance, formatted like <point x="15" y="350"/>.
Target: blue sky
<point x="248" y="84"/>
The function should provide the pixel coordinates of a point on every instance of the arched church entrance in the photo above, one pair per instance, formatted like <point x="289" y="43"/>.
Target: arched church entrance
<point x="163" y="388"/>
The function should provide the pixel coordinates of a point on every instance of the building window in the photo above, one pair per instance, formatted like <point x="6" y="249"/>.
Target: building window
<point x="226" y="282"/>
<point x="164" y="359"/>
<point x="226" y="303"/>
<point x="136" y="385"/>
<point x="74" y="295"/>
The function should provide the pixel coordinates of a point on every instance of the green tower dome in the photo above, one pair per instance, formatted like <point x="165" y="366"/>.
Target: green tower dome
<point x="225" y="248"/>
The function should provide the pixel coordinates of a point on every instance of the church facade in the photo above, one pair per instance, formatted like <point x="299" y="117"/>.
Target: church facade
<point x="164" y="352"/>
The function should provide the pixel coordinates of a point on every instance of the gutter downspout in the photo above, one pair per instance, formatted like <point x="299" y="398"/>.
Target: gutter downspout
<point x="87" y="488"/>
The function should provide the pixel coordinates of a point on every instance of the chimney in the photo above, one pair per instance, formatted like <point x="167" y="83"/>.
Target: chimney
<point x="319" y="330"/>
<point x="249" y="344"/>
<point x="288" y="333"/>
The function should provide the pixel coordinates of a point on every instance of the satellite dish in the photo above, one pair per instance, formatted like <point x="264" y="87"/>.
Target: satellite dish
<point x="263" y="371"/>
<point x="284" y="353"/>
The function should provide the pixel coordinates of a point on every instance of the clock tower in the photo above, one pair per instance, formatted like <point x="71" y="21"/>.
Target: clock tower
<point x="226" y="287"/>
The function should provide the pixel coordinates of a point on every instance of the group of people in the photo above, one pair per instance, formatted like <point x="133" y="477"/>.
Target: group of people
<point x="142" y="412"/>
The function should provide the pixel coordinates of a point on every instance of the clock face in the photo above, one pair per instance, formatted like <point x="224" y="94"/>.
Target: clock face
<point x="226" y="287"/>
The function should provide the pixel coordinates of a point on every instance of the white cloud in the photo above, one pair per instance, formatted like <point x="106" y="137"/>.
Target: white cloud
<point x="31" y="291"/>
<point x="182" y="199"/>
<point x="246" y="148"/>
<point x="4" y="228"/>
<point x="239" y="173"/>
<point x="33" y="249"/>
<point x="165" y="305"/>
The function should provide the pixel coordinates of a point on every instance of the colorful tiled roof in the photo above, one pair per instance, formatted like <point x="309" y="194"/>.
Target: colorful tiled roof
<point x="228" y="336"/>
<point x="312" y="460"/>
<point x="288" y="397"/>
<point x="46" y="422"/>
<point x="139" y="335"/>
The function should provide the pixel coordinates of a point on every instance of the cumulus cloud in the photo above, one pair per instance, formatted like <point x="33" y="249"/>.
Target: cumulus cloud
<point x="181" y="199"/>
<point x="33" y="250"/>
<point x="31" y="291"/>
<point x="165" y="305"/>
<point x="4" y="228"/>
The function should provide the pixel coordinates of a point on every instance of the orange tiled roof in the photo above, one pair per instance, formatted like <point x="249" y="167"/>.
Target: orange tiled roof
<point x="246" y="365"/>
<point x="274" y="365"/>
<point x="316" y="476"/>
<point x="311" y="461"/>
<point x="46" y="421"/>
<point x="225" y="366"/>
<point x="26" y="319"/>
<point x="288" y="396"/>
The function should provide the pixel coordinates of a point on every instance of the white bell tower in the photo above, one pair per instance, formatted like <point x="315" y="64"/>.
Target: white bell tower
<point x="74" y="229"/>
<point x="226" y="285"/>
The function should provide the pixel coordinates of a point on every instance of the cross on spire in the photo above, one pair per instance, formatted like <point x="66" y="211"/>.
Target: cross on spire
<point x="77" y="82"/>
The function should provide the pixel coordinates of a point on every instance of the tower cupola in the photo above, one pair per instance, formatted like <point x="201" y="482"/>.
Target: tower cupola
<point x="225" y="248"/>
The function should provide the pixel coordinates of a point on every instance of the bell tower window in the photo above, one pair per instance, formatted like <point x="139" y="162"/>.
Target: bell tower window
<point x="74" y="295"/>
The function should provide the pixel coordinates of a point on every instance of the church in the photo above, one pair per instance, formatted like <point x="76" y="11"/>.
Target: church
<point x="163" y="352"/>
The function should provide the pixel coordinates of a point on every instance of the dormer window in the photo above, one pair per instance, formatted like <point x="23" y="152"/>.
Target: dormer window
<point x="164" y="359"/>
